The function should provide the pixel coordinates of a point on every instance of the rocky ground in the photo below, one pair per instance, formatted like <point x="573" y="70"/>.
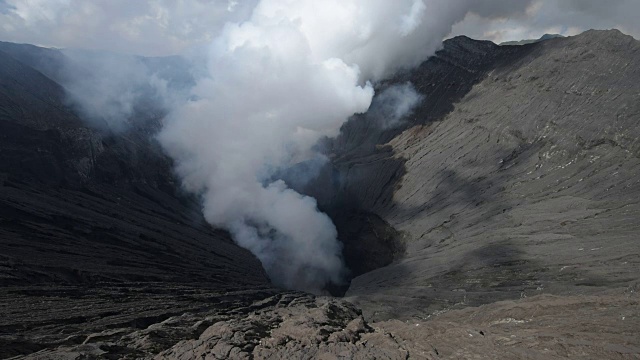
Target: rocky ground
<point x="301" y="326"/>
<point x="499" y="220"/>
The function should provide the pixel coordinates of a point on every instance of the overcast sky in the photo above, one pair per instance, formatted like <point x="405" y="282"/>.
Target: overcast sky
<point x="566" y="17"/>
<point x="163" y="27"/>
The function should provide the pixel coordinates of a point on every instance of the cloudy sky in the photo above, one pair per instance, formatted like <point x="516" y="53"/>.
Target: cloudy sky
<point x="162" y="27"/>
<point x="566" y="17"/>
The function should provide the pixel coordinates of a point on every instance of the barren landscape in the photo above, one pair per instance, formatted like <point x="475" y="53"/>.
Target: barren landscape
<point x="500" y="219"/>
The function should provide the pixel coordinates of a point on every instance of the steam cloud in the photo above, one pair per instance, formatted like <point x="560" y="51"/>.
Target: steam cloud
<point x="393" y="104"/>
<point x="108" y="101"/>
<point x="292" y="73"/>
<point x="113" y="91"/>
<point x="277" y="77"/>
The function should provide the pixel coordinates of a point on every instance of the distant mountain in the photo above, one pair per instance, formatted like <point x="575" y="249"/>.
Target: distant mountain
<point x="125" y="97"/>
<point x="531" y="41"/>
<point x="53" y="63"/>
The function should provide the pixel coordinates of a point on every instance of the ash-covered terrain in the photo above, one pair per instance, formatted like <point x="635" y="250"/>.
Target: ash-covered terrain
<point x="500" y="219"/>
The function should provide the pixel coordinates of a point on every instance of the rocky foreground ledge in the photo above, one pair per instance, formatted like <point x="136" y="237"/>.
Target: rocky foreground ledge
<point x="301" y="326"/>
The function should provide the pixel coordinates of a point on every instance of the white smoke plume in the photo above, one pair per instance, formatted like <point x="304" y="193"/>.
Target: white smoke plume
<point x="105" y="87"/>
<point x="278" y="76"/>
<point x="113" y="91"/>
<point x="290" y="74"/>
<point x="391" y="106"/>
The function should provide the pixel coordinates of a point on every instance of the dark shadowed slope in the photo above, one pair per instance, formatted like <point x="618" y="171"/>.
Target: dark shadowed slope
<point x="83" y="185"/>
<point x="86" y="217"/>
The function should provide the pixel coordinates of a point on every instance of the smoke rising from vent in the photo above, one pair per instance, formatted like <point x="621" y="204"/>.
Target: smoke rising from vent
<point x="393" y="104"/>
<point x="113" y="91"/>
<point x="291" y="74"/>
<point x="274" y="79"/>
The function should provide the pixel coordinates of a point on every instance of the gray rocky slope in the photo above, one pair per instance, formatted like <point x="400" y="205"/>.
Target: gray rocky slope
<point x="499" y="220"/>
<point x="528" y="185"/>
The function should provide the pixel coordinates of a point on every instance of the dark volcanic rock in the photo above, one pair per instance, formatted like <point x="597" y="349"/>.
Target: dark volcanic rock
<point x="107" y="202"/>
<point x="94" y="231"/>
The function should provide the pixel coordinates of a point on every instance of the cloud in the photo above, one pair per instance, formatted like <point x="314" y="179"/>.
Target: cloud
<point x="498" y="8"/>
<point x="141" y="27"/>
<point x="168" y="27"/>
<point x="566" y="17"/>
<point x="390" y="107"/>
<point x="5" y="8"/>
<point x="106" y="88"/>
<point x="279" y="81"/>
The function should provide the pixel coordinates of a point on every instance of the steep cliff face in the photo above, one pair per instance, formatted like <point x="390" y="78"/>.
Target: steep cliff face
<point x="62" y="180"/>
<point x="517" y="177"/>
<point x="87" y="216"/>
